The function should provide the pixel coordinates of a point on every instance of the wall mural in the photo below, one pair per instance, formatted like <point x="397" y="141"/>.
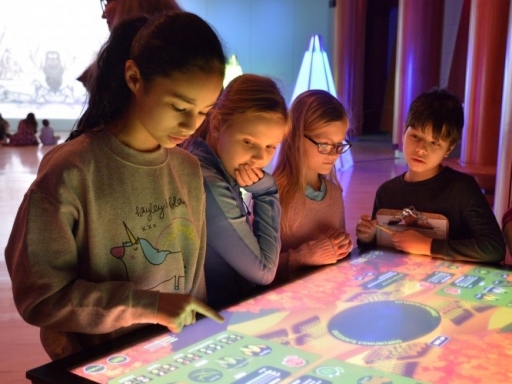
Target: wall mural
<point x="44" y="47"/>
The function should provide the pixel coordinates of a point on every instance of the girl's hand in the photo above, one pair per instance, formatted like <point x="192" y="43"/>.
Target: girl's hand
<point x="341" y="243"/>
<point x="412" y="242"/>
<point x="245" y="175"/>
<point x="175" y="310"/>
<point x="366" y="229"/>
<point x="341" y="247"/>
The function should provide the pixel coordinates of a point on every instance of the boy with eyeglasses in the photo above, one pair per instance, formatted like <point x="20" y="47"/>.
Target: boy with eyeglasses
<point x="433" y="128"/>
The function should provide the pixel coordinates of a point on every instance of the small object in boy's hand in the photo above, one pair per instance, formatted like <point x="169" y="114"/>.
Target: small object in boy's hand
<point x="385" y="229"/>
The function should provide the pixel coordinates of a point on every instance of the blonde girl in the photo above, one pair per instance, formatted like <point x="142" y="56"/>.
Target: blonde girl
<point x="238" y="138"/>
<point x="313" y="214"/>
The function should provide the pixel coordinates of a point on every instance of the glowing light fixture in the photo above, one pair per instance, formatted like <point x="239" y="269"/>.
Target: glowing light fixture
<point x="233" y="69"/>
<point x="315" y="73"/>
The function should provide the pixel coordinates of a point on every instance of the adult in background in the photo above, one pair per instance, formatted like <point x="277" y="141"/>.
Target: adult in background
<point x="115" y="11"/>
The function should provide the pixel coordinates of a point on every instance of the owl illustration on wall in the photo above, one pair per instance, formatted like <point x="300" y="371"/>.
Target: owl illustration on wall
<point x="53" y="70"/>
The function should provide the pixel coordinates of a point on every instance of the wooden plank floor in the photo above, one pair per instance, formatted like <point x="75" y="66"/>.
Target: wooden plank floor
<point x="374" y="162"/>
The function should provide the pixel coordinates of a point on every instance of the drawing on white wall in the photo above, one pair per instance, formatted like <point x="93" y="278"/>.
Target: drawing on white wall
<point x="42" y="84"/>
<point x="44" y="47"/>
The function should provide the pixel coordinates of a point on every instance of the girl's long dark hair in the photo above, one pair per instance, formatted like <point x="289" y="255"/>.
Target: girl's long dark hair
<point x="160" y="46"/>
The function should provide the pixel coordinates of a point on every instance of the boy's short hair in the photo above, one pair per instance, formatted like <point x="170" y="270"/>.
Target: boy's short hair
<point x="441" y="110"/>
<point x="46" y="122"/>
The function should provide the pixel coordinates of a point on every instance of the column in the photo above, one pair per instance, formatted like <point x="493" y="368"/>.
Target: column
<point x="348" y="56"/>
<point x="484" y="81"/>
<point x="418" y="58"/>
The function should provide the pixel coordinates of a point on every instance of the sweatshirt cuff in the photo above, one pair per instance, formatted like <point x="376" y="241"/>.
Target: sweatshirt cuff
<point x="311" y="250"/>
<point x="266" y="184"/>
<point x="324" y="246"/>
<point x="144" y="306"/>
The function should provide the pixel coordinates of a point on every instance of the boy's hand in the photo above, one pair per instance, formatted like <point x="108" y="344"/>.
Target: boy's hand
<point x="341" y="243"/>
<point x="245" y="175"/>
<point x="175" y="310"/>
<point x="412" y="242"/>
<point x="366" y="229"/>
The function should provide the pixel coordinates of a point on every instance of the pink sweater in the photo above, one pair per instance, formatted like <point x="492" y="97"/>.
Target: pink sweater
<point x="309" y="223"/>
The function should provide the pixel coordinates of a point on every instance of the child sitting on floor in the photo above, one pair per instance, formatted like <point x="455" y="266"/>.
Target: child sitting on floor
<point x="47" y="135"/>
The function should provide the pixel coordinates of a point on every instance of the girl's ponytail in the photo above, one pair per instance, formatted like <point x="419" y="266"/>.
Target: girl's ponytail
<point x="109" y="94"/>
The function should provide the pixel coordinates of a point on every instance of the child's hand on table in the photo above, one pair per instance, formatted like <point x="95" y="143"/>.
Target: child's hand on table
<point x="175" y="310"/>
<point x="341" y="243"/>
<point x="366" y="229"/>
<point x="412" y="242"/>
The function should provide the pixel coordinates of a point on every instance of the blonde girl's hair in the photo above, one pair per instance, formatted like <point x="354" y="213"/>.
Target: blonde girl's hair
<point x="246" y="96"/>
<point x="310" y="112"/>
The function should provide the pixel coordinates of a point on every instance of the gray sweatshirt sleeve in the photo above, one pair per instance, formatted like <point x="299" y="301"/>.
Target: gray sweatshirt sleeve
<point x="252" y="252"/>
<point x="42" y="259"/>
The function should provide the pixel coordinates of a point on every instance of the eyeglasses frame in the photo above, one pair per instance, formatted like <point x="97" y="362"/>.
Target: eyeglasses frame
<point x="338" y="148"/>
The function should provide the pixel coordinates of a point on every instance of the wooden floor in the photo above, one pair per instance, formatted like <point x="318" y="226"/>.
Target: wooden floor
<point x="374" y="162"/>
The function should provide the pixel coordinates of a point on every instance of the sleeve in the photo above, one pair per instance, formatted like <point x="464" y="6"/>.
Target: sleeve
<point x="305" y="255"/>
<point x="42" y="259"/>
<point x="252" y="252"/>
<point x="342" y="223"/>
<point x="484" y="240"/>
<point x="376" y="207"/>
<point x="199" y="289"/>
<point x="507" y="231"/>
<point x="507" y="218"/>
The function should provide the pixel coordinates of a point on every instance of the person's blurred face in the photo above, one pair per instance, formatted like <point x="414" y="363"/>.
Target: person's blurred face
<point x="109" y="12"/>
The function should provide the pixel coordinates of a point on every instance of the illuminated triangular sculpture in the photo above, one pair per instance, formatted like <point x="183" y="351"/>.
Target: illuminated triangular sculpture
<point x="315" y="73"/>
<point x="233" y="69"/>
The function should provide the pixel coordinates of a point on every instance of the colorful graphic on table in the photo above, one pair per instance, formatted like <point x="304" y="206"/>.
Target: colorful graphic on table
<point x="247" y="360"/>
<point x="483" y="285"/>
<point x="381" y="317"/>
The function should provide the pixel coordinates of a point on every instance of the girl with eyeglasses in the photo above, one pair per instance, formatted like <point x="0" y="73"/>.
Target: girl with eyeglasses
<point x="313" y="214"/>
<point x="111" y="234"/>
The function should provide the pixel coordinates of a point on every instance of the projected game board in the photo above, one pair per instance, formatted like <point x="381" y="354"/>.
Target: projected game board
<point x="381" y="317"/>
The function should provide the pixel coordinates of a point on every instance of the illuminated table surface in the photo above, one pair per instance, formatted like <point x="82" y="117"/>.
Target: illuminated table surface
<point x="378" y="317"/>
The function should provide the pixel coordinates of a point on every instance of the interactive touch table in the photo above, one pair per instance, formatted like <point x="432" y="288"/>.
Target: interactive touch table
<point x="378" y="317"/>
